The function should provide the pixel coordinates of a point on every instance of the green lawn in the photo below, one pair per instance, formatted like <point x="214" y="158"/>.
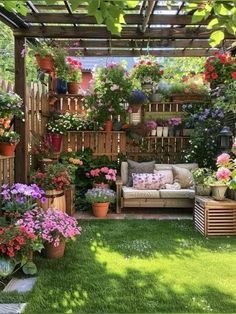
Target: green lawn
<point x="138" y="266"/>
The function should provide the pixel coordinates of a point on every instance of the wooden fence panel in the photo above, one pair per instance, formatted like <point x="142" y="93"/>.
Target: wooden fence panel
<point x="6" y="170"/>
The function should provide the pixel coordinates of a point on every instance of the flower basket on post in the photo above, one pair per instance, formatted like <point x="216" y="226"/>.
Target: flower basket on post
<point x="100" y="200"/>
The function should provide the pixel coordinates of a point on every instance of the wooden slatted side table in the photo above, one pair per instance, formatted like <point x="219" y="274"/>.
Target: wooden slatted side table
<point x="213" y="217"/>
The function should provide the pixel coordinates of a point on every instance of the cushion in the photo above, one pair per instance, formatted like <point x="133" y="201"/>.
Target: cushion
<point x="174" y="186"/>
<point x="183" y="193"/>
<point x="183" y="176"/>
<point x="129" y="192"/>
<point x="147" y="181"/>
<point x="167" y="176"/>
<point x="139" y="167"/>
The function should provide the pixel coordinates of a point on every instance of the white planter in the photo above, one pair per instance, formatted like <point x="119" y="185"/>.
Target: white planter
<point x="218" y="192"/>
<point x="153" y="132"/>
<point x="165" y="131"/>
<point x="159" y="131"/>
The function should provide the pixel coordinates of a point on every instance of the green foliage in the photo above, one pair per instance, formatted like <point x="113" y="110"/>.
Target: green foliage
<point x="29" y="268"/>
<point x="225" y="97"/>
<point x="201" y="175"/>
<point x="221" y="15"/>
<point x="7" y="266"/>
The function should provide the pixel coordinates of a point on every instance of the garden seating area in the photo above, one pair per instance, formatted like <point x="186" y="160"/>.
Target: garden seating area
<point x="118" y="182"/>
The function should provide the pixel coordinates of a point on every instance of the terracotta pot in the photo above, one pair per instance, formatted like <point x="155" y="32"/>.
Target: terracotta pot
<point x="73" y="87"/>
<point x="45" y="63"/>
<point x="54" y="199"/>
<point x="7" y="149"/>
<point x="218" y="191"/>
<point x="100" y="209"/>
<point x="101" y="185"/>
<point x="51" y="251"/>
<point x="55" y="140"/>
<point x="135" y="108"/>
<point x="108" y="126"/>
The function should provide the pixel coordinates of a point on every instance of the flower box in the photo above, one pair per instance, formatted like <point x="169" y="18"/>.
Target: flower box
<point x="187" y="97"/>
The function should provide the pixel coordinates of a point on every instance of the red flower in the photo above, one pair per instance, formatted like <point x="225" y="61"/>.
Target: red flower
<point x="210" y="68"/>
<point x="141" y="61"/>
<point x="161" y="72"/>
<point x="222" y="59"/>
<point x="214" y="75"/>
<point x="233" y="75"/>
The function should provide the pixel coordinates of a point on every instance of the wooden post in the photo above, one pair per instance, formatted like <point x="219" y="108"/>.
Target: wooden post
<point x="21" y="155"/>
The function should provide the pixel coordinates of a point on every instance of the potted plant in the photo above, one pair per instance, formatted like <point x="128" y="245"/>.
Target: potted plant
<point x="224" y="177"/>
<point x="136" y="99"/>
<point x="53" y="180"/>
<point x="53" y="227"/>
<point x="165" y="128"/>
<point x="160" y="124"/>
<point x="62" y="70"/>
<point x="147" y="71"/>
<point x="10" y="105"/>
<point x="173" y="123"/>
<point x="56" y="127"/>
<point x="100" y="200"/>
<point x="16" y="250"/>
<point x="74" y="75"/>
<point x="102" y="177"/>
<point x="8" y="142"/>
<point x="152" y="126"/>
<point x="18" y="198"/>
<point x="44" y="54"/>
<point x="202" y="179"/>
<point x="161" y="92"/>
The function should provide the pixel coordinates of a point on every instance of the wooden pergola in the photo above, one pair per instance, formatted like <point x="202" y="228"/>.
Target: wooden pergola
<point x="151" y="27"/>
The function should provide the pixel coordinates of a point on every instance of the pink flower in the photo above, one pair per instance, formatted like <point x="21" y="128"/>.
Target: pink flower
<point x="223" y="173"/>
<point x="104" y="169"/>
<point x="223" y="159"/>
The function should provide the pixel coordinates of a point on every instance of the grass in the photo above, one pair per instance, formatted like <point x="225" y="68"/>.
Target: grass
<point x="138" y="266"/>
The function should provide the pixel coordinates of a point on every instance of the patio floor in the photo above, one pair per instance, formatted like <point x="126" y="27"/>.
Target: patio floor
<point x="142" y="213"/>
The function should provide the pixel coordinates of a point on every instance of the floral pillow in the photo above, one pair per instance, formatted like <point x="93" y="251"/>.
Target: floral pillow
<point x="147" y="181"/>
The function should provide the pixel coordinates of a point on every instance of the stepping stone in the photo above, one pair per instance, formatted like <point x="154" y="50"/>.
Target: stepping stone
<point x="12" y="308"/>
<point x="20" y="285"/>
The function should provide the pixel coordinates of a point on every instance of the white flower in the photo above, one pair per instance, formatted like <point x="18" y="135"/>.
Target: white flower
<point x="114" y="87"/>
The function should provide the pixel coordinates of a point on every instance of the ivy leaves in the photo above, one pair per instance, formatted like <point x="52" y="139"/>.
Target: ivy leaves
<point x="221" y="16"/>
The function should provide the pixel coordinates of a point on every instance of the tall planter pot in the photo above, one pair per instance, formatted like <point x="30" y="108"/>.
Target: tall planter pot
<point x="100" y="209"/>
<point x="218" y="191"/>
<point x="51" y="251"/>
<point x="7" y="149"/>
<point x="54" y="199"/>
<point x="55" y="140"/>
<point x="73" y="87"/>
<point x="61" y="86"/>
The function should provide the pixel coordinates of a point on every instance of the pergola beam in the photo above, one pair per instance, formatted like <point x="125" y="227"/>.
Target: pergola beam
<point x="148" y="12"/>
<point x="97" y="32"/>
<point x="130" y="19"/>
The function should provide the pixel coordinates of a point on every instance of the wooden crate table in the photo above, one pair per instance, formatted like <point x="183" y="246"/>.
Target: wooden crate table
<point x="213" y="217"/>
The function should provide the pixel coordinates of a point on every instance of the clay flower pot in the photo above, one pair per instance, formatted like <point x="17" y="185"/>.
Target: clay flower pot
<point x="45" y="63"/>
<point x="7" y="149"/>
<point x="100" y="209"/>
<point x="73" y="87"/>
<point x="52" y="251"/>
<point x="108" y="126"/>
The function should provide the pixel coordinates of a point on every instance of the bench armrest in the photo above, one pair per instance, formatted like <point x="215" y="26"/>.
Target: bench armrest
<point x="118" y="194"/>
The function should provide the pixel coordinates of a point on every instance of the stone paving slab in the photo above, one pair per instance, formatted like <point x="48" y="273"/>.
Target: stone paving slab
<point x="12" y="308"/>
<point x="20" y="284"/>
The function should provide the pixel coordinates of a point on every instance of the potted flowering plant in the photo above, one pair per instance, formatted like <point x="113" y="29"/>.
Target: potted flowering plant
<point x="224" y="177"/>
<point x="10" y="105"/>
<point x="8" y="142"/>
<point x="18" y="198"/>
<point x="173" y="122"/>
<point x="112" y="88"/>
<point x="201" y="178"/>
<point x="16" y="248"/>
<point x="136" y="99"/>
<point x="57" y="126"/>
<point x="102" y="176"/>
<point x="53" y="180"/>
<point x="152" y="126"/>
<point x="100" y="200"/>
<point x="220" y="69"/>
<point x="147" y="71"/>
<point x="44" y="54"/>
<point x="53" y="227"/>
<point x="74" y="75"/>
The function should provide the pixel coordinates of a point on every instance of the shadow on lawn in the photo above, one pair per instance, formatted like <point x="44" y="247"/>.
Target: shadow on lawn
<point x="80" y="283"/>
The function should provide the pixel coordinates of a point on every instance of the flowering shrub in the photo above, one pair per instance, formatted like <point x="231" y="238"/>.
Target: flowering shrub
<point x="147" y="70"/>
<point x="151" y="124"/>
<point x="102" y="175"/>
<point x="190" y="84"/>
<point x="174" y="121"/>
<point x="51" y="226"/>
<point x="97" y="195"/>
<point x="55" y="176"/>
<point x="74" y="70"/>
<point x="18" y="242"/>
<point x="19" y="197"/>
<point x="10" y="137"/>
<point x="10" y="105"/>
<point x="220" y="69"/>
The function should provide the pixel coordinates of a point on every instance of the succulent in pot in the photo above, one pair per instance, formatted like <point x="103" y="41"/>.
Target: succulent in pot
<point x="8" y="142"/>
<point x="100" y="200"/>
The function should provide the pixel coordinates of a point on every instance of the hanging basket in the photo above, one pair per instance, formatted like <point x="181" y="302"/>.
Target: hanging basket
<point x="45" y="63"/>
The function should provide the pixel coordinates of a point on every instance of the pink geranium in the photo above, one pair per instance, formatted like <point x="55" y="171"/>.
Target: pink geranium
<point x="223" y="173"/>
<point x="223" y="159"/>
<point x="102" y="175"/>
